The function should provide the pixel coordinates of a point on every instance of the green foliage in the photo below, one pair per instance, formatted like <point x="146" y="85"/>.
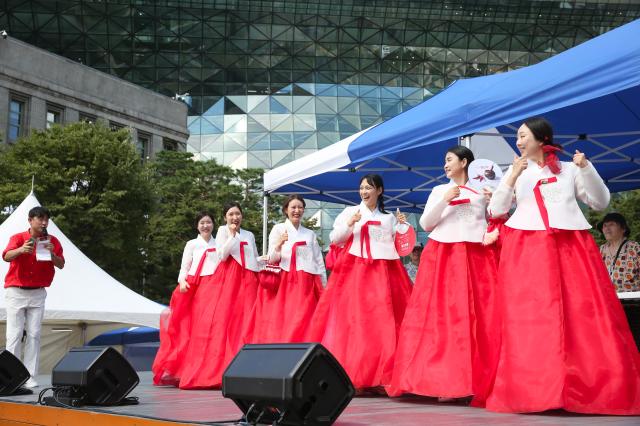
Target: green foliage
<point x="92" y="180"/>
<point x="628" y="204"/>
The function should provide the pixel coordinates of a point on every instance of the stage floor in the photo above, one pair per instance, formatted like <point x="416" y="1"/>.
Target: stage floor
<point x="173" y="405"/>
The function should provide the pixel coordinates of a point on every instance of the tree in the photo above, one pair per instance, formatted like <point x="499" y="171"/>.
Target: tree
<point x="92" y="180"/>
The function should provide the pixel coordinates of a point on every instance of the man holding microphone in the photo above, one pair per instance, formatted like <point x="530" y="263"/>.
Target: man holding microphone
<point x="29" y="274"/>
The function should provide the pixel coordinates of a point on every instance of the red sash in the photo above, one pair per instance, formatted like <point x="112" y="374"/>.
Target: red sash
<point x="540" y="201"/>
<point x="365" y="240"/>
<point x="196" y="277"/>
<point x="242" y="260"/>
<point x="293" y="266"/>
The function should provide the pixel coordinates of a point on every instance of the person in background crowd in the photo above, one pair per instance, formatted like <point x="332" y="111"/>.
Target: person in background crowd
<point x="621" y="256"/>
<point x="414" y="261"/>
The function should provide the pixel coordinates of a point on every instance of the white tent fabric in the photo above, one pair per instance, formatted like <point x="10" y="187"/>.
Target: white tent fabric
<point x="81" y="291"/>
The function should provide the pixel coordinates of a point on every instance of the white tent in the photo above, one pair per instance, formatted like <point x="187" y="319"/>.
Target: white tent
<point x="83" y="300"/>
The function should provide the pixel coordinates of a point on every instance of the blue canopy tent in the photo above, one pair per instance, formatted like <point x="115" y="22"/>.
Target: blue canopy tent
<point x="590" y="93"/>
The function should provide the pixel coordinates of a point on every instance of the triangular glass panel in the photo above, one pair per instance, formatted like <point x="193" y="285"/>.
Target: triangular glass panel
<point x="304" y="104"/>
<point x="263" y="119"/>
<point x="211" y="143"/>
<point x="346" y="126"/>
<point x="326" y="105"/>
<point x="235" y="123"/>
<point x="281" y="140"/>
<point x="348" y="106"/>
<point x="259" y="159"/>
<point x="276" y="107"/>
<point x="216" y="109"/>
<point x="231" y="108"/>
<point x="277" y="159"/>
<point x="253" y="126"/>
<point x="285" y="125"/>
<point x="212" y="125"/>
<point x="258" y="141"/>
<point x="193" y="124"/>
<point x="239" y="101"/>
<point x="305" y="140"/>
<point x="304" y="122"/>
<point x="299" y="153"/>
<point x="303" y="89"/>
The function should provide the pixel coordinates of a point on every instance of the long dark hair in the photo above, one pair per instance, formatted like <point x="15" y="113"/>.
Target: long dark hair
<point x="376" y="181"/>
<point x="541" y="129"/>
<point x="289" y="199"/>
<point x="463" y="153"/>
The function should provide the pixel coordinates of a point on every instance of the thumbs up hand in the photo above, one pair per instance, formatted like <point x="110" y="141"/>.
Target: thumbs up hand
<point x="580" y="160"/>
<point x="402" y="218"/>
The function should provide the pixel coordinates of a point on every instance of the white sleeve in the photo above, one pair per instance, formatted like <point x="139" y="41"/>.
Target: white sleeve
<point x="187" y="260"/>
<point x="274" y="236"/>
<point x="433" y="211"/>
<point x="224" y="243"/>
<point x="319" y="261"/>
<point x="502" y="198"/>
<point x="590" y="188"/>
<point x="341" y="231"/>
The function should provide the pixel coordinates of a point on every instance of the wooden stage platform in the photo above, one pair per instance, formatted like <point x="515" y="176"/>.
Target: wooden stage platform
<point x="170" y="406"/>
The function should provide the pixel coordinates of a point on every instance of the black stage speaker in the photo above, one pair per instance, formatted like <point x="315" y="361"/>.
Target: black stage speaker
<point x="93" y="375"/>
<point x="13" y="373"/>
<point x="632" y="310"/>
<point x="289" y="384"/>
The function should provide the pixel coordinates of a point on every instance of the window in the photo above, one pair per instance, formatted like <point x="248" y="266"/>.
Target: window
<point x="88" y="118"/>
<point x="142" y="144"/>
<point x="17" y="117"/>
<point x="169" y="144"/>
<point x="54" y="115"/>
<point x="115" y="126"/>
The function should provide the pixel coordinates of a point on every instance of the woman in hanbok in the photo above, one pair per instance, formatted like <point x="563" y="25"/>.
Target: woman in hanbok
<point x="199" y="262"/>
<point x="300" y="283"/>
<point x="565" y="341"/>
<point x="446" y="348"/>
<point x="359" y="314"/>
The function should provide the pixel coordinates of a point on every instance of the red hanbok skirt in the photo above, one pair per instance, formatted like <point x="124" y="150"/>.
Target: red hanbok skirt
<point x="175" y="326"/>
<point x="565" y="340"/>
<point x="294" y="306"/>
<point x="359" y="314"/>
<point x="446" y="347"/>
<point x="220" y="325"/>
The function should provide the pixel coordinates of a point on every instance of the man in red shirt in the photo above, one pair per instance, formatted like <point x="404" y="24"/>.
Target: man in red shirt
<point x="30" y="272"/>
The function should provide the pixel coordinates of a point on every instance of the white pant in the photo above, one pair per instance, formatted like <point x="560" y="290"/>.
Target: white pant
<point x="25" y="309"/>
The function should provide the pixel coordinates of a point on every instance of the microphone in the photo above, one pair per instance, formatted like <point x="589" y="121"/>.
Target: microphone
<point x="44" y="232"/>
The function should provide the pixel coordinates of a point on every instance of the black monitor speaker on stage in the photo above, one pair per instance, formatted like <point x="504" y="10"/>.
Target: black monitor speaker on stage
<point x="93" y="376"/>
<point x="287" y="384"/>
<point x="13" y="374"/>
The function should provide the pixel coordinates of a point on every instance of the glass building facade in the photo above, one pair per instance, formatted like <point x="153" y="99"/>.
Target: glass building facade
<point x="271" y="81"/>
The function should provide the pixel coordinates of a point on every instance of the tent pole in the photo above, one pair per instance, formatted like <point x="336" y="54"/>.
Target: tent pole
<point x="265" y="217"/>
<point x="465" y="141"/>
